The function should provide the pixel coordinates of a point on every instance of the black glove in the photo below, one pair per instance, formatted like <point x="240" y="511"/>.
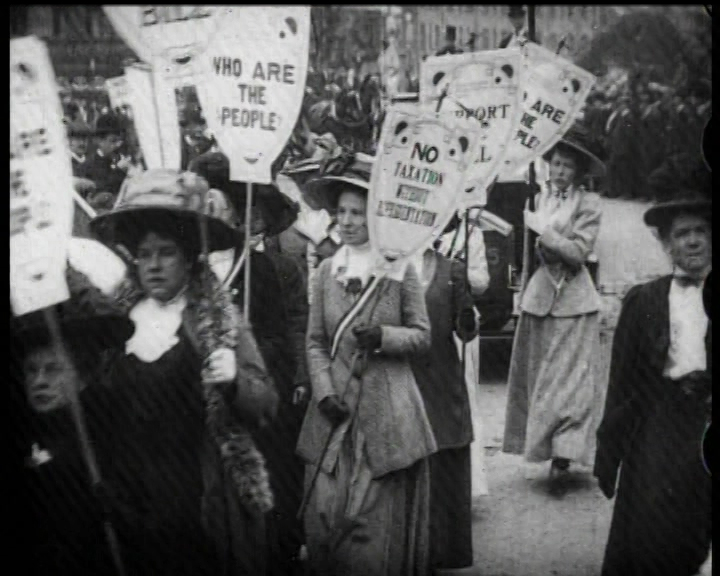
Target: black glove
<point x="466" y="320"/>
<point x="334" y="409"/>
<point x="368" y="338"/>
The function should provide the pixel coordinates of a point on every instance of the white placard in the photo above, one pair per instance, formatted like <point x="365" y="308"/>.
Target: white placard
<point x="167" y="32"/>
<point x="142" y="100"/>
<point x="254" y="73"/>
<point x="483" y="88"/>
<point x="554" y="92"/>
<point x="417" y="180"/>
<point x="118" y="92"/>
<point x="41" y="181"/>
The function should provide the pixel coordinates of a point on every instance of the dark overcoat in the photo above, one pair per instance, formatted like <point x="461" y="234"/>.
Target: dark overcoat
<point x="651" y="436"/>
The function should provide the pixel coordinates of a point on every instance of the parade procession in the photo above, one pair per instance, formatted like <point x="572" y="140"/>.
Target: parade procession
<point x="361" y="290"/>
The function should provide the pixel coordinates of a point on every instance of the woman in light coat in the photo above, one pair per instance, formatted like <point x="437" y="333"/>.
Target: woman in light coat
<point x="368" y="508"/>
<point x="553" y="408"/>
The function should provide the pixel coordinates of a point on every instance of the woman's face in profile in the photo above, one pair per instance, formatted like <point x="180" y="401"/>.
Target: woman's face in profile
<point x="163" y="269"/>
<point x="563" y="170"/>
<point x="352" y="218"/>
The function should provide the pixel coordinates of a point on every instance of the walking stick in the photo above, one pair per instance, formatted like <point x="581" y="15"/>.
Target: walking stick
<point x="78" y="416"/>
<point x="357" y="355"/>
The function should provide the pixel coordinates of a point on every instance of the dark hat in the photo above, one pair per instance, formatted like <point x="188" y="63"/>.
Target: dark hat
<point x="110" y="123"/>
<point x="576" y="140"/>
<point x="688" y="201"/>
<point x="89" y="320"/>
<point x="347" y="168"/>
<point x="515" y="10"/>
<point x="280" y="211"/>
<point x="162" y="194"/>
<point x="78" y="129"/>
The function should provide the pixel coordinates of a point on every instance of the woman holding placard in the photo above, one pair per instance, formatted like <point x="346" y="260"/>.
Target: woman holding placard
<point x="366" y="436"/>
<point x="553" y="402"/>
<point x="188" y="388"/>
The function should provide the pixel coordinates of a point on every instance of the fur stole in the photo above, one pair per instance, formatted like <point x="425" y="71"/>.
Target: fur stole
<point x="214" y="322"/>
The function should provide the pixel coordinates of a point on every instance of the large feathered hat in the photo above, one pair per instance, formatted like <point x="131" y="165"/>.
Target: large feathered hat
<point x="344" y="169"/>
<point x="167" y="195"/>
<point x="89" y="320"/>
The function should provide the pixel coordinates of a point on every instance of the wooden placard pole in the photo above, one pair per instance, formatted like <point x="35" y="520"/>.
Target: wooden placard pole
<point x="248" y="259"/>
<point x="78" y="416"/>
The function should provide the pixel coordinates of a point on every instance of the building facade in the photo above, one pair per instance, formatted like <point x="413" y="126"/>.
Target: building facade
<point x="80" y="39"/>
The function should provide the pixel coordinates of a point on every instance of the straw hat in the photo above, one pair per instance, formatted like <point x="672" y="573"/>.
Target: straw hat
<point x="576" y="141"/>
<point x="161" y="193"/>
<point x="353" y="169"/>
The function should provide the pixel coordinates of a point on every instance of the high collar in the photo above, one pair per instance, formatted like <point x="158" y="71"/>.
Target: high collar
<point x="679" y="272"/>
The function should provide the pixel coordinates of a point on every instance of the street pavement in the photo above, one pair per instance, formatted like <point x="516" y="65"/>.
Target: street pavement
<point x="519" y="529"/>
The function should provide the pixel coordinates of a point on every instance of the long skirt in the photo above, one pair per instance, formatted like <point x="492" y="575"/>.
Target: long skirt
<point x="450" y="509"/>
<point x="553" y="407"/>
<point x="357" y="525"/>
<point x="662" y="520"/>
<point x="477" y="447"/>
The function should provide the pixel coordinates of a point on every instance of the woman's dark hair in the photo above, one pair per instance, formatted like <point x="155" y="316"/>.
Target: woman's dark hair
<point x="183" y="231"/>
<point x="582" y="162"/>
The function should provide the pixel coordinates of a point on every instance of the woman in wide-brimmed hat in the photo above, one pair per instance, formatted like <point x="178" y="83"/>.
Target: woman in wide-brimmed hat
<point x="65" y="513"/>
<point x="367" y="508"/>
<point x="552" y="398"/>
<point x="188" y="388"/>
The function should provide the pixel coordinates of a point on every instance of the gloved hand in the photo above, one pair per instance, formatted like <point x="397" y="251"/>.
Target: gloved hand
<point x="368" y="338"/>
<point x="219" y="367"/>
<point x="300" y="394"/>
<point x="466" y="320"/>
<point x="334" y="409"/>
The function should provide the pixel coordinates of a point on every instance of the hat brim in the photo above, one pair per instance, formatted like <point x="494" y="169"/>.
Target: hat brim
<point x="121" y="225"/>
<point x="93" y="333"/>
<point x="596" y="167"/>
<point x="665" y="212"/>
<point x="322" y="193"/>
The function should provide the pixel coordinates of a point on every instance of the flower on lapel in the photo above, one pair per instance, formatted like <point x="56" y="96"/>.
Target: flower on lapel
<point x="353" y="286"/>
<point x="38" y="457"/>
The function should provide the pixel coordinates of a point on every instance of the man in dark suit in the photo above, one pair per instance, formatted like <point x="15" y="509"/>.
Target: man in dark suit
<point x="519" y="36"/>
<point x="106" y="166"/>
<point x="658" y="404"/>
<point x="450" y="39"/>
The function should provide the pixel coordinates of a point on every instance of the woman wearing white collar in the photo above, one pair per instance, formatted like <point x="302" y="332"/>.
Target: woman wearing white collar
<point x="187" y="389"/>
<point x="552" y="389"/>
<point x="366" y="435"/>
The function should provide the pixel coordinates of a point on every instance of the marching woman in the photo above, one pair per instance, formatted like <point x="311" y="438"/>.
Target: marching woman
<point x="441" y="382"/>
<point x="552" y="410"/>
<point x="66" y="514"/>
<point x="188" y="388"/>
<point x="366" y="435"/>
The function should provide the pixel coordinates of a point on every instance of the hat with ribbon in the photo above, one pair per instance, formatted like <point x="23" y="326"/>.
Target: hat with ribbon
<point x="687" y="202"/>
<point x="325" y="146"/>
<point x="169" y="195"/>
<point x="576" y="141"/>
<point x="279" y="211"/>
<point x="344" y="169"/>
<point x="90" y="320"/>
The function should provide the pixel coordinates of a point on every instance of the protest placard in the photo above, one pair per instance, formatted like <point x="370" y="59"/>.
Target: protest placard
<point x="483" y="88"/>
<point x="41" y="181"/>
<point x="417" y="180"/>
<point x="142" y="101"/>
<point x="118" y="92"/>
<point x="554" y="92"/>
<point x="254" y="74"/>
